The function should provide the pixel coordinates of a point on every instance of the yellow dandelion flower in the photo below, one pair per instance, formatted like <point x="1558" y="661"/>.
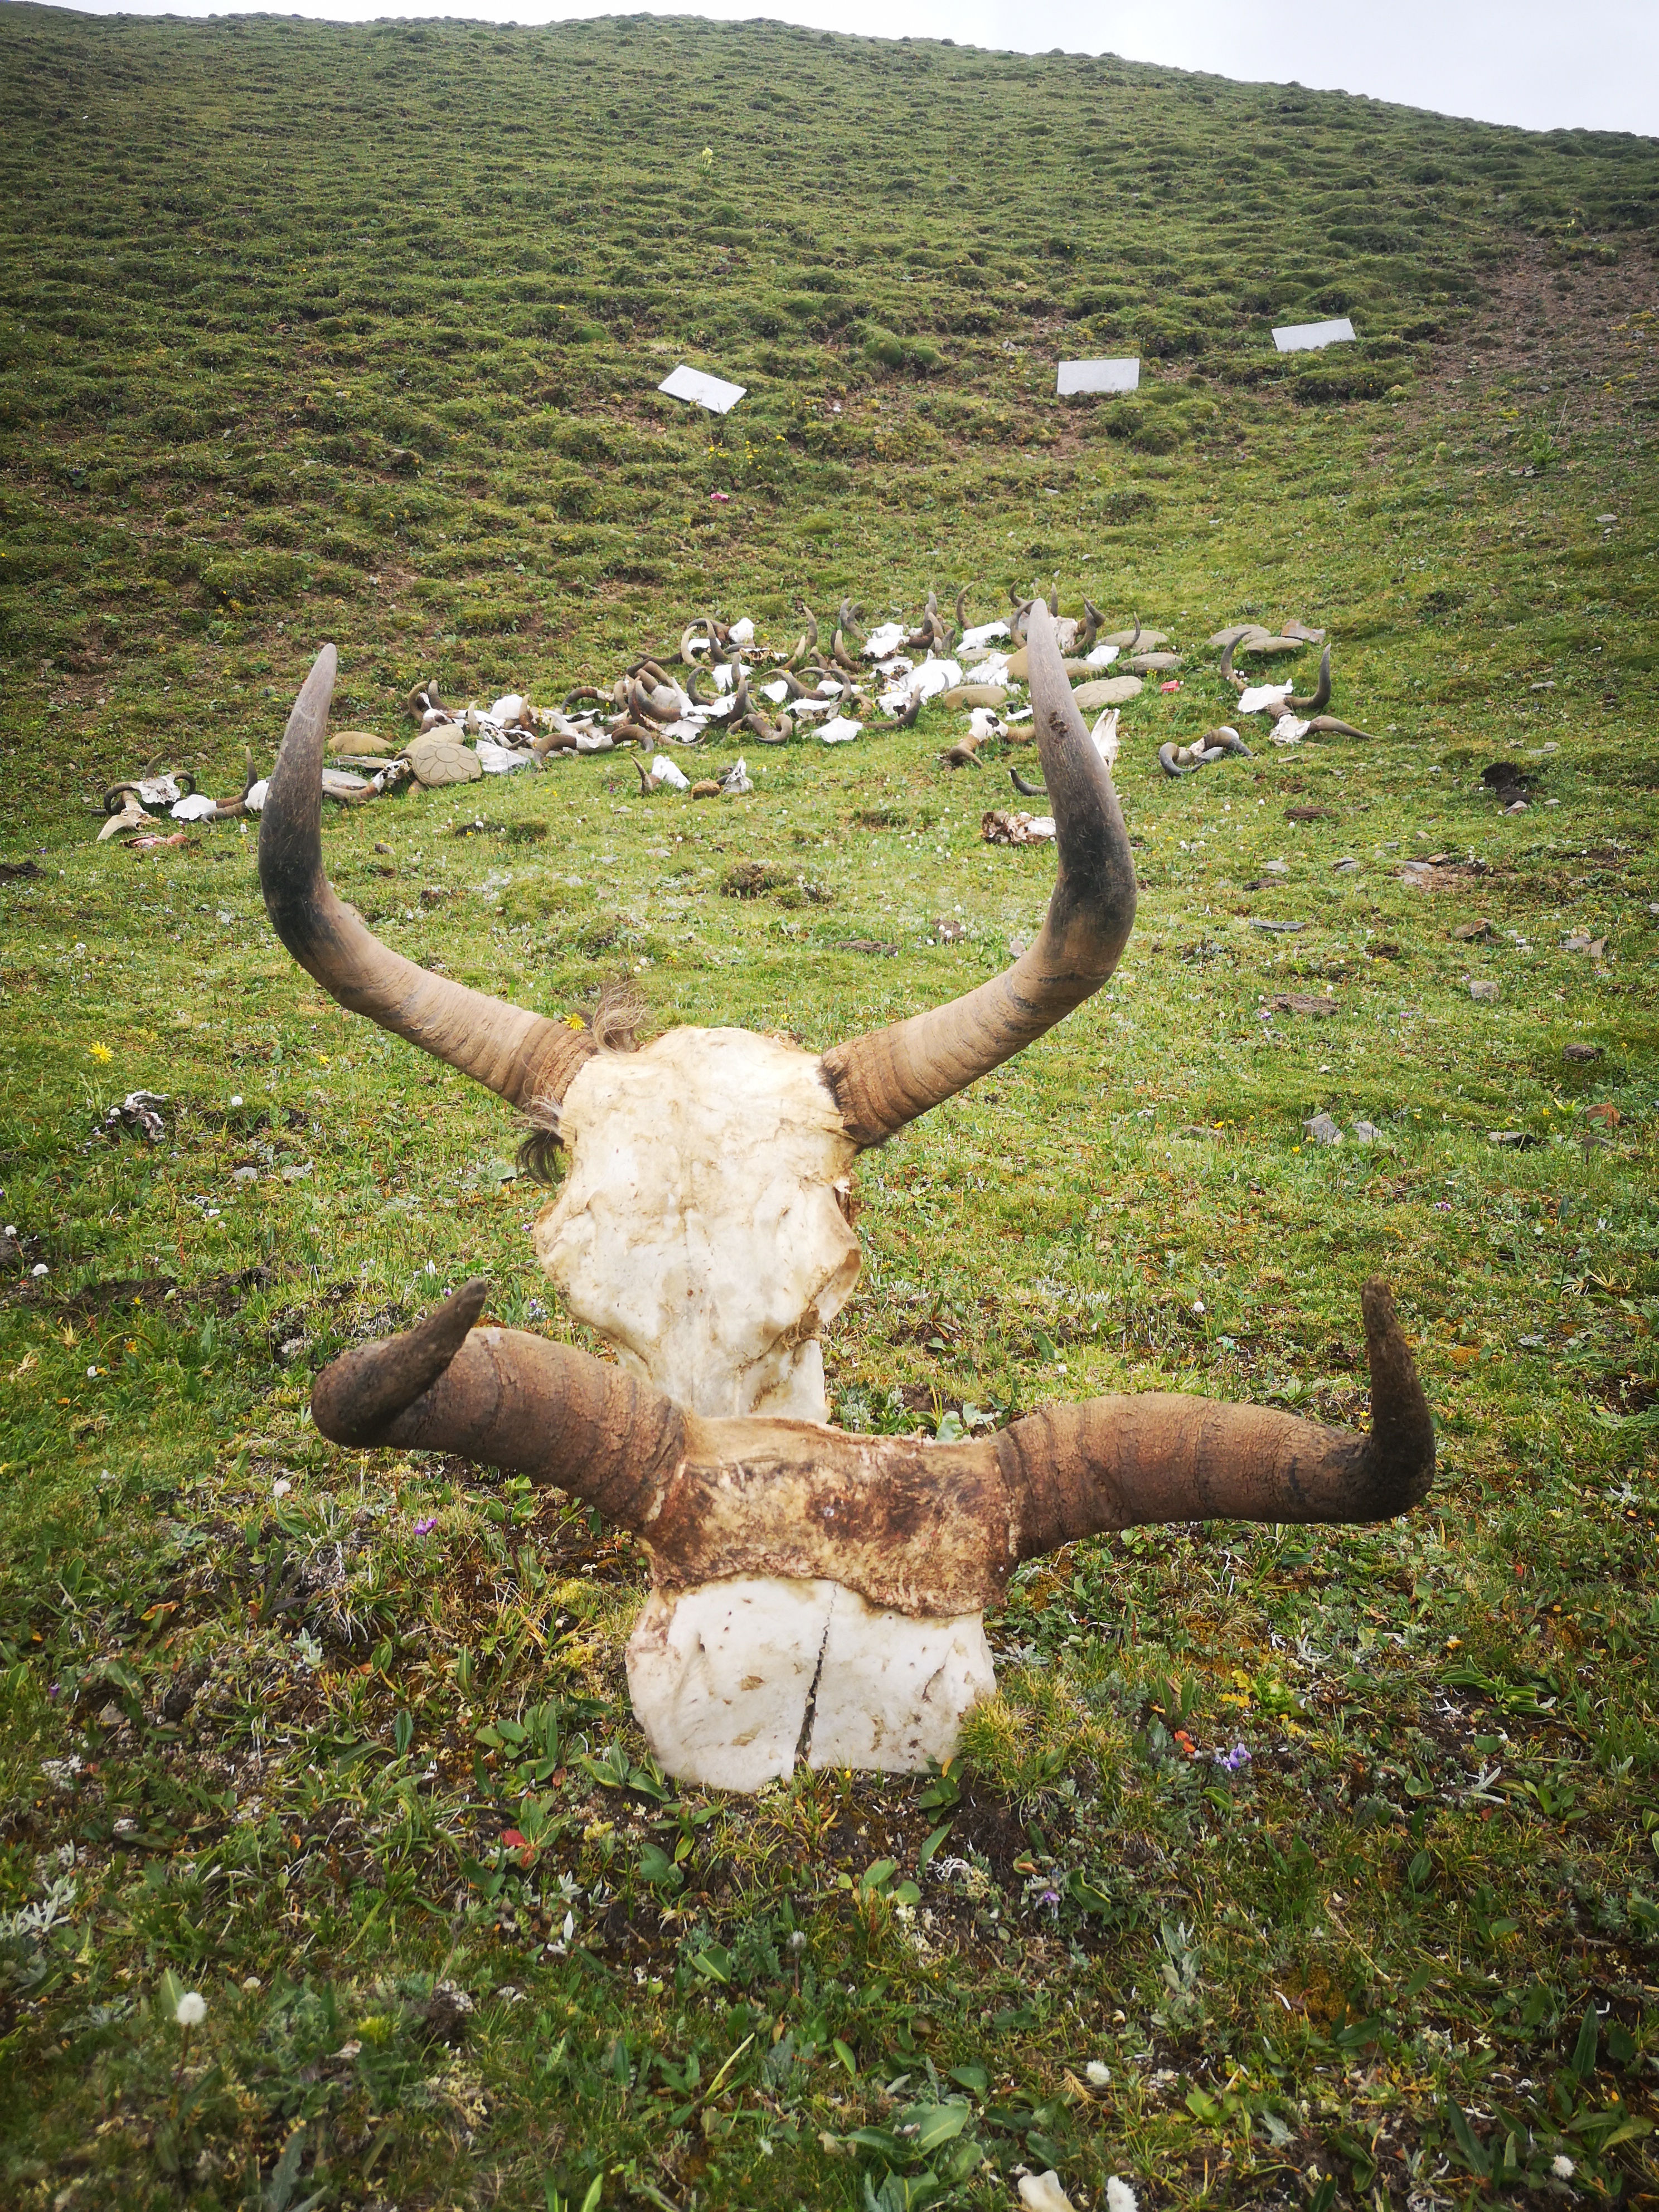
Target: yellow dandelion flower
<point x="100" y="1053"/>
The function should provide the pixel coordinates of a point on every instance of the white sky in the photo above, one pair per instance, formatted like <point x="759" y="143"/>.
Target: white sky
<point x="1594" y="65"/>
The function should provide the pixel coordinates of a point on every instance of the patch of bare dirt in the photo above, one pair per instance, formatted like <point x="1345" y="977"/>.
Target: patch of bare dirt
<point x="1583" y="337"/>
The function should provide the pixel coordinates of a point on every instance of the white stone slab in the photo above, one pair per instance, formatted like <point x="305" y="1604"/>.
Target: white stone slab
<point x="1076" y="376"/>
<point x="713" y="392"/>
<point x="1307" y="338"/>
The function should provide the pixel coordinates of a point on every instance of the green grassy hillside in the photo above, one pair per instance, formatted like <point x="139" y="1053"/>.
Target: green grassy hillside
<point x="311" y="332"/>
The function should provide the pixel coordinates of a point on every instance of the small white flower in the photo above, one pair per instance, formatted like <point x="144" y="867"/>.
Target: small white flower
<point x="252" y="1984"/>
<point x="1198" y="1306"/>
<point x="280" y="1489"/>
<point x="236" y="1098"/>
<point x="1119" y="2198"/>
<point x="191" y="2010"/>
<point x="1562" y="2166"/>
<point x="1098" y="2074"/>
<point x="569" y="1928"/>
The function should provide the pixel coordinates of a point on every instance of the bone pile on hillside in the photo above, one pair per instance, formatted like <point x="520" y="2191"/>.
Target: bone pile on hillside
<point x="720" y="683"/>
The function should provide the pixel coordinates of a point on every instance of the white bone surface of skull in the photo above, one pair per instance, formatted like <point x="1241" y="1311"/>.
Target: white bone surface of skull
<point x="700" y="1226"/>
<point x="734" y="1681"/>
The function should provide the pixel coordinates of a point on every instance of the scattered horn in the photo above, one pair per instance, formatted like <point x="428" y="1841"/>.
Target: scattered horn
<point x="881" y="1080"/>
<point x="1322" y="694"/>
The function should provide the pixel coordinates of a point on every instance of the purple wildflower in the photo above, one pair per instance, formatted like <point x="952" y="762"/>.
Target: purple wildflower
<point x="1235" y="1760"/>
<point x="425" y="1527"/>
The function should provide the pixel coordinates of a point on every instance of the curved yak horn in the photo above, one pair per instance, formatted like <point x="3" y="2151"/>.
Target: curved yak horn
<point x="520" y="1055"/>
<point x="1322" y="694"/>
<point x="923" y="1528"/>
<point x="881" y="1080"/>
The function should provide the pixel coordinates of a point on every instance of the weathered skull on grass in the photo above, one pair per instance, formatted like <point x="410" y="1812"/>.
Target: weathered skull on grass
<point x="814" y="1593"/>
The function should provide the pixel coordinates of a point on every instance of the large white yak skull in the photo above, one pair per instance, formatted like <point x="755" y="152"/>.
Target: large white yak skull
<point x="815" y="1596"/>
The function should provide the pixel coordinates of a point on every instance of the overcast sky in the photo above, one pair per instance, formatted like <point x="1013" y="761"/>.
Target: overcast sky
<point x="1532" y="62"/>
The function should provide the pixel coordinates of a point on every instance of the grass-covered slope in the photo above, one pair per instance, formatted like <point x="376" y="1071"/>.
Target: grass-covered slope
<point x="314" y="332"/>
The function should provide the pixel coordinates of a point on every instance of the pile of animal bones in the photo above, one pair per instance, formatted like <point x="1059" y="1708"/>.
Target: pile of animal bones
<point x="722" y="683"/>
<point x="815" y="1593"/>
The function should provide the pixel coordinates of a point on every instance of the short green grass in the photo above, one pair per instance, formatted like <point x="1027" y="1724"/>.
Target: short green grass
<point x="311" y="331"/>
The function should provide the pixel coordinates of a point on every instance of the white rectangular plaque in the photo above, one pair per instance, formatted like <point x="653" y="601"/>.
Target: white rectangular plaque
<point x="1307" y="338"/>
<point x="713" y="392"/>
<point x="1098" y="376"/>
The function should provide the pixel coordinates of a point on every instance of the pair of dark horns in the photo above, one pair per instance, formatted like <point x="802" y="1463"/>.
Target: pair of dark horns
<point x="880" y="1081"/>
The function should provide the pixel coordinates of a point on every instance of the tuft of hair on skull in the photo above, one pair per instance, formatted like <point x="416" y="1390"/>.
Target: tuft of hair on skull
<point x="613" y="1021"/>
<point x="617" y="1016"/>
<point x="538" y="1151"/>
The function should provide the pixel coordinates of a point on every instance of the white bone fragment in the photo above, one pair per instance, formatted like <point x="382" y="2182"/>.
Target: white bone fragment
<point x="989" y="668"/>
<point x="841" y="731"/>
<point x="777" y="693"/>
<point x="1102" y="656"/>
<point x="884" y="640"/>
<point x="685" y="732"/>
<point x="1262" y="695"/>
<point x="501" y="760"/>
<point x="669" y="771"/>
<point x="1287" y="731"/>
<point x="1105" y="736"/>
<point x="195" y="807"/>
<point x="926" y="681"/>
<point x="735" y="782"/>
<point x="986" y="633"/>
<point x="511" y="706"/>
<point x="741" y="632"/>
<point x="254" y="797"/>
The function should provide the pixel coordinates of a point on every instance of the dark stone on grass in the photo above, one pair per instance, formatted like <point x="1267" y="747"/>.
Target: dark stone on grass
<point x="443" y="2017"/>
<point x="182" y="1692"/>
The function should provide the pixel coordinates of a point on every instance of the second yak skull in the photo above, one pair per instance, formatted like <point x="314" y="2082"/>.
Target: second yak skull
<point x="814" y="1594"/>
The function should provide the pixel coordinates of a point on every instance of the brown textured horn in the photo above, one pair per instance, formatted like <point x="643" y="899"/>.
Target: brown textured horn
<point x="1320" y="696"/>
<point x="883" y="1079"/>
<point x="522" y="1055"/>
<point x="924" y="1528"/>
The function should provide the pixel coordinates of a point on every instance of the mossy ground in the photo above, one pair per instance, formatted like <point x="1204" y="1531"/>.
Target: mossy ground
<point x="311" y="331"/>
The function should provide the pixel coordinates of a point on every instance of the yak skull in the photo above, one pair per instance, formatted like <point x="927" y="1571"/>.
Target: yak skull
<point x="814" y="1594"/>
<point x="701" y="1225"/>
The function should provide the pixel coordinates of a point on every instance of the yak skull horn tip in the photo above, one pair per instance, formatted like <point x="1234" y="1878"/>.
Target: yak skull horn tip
<point x="356" y="1401"/>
